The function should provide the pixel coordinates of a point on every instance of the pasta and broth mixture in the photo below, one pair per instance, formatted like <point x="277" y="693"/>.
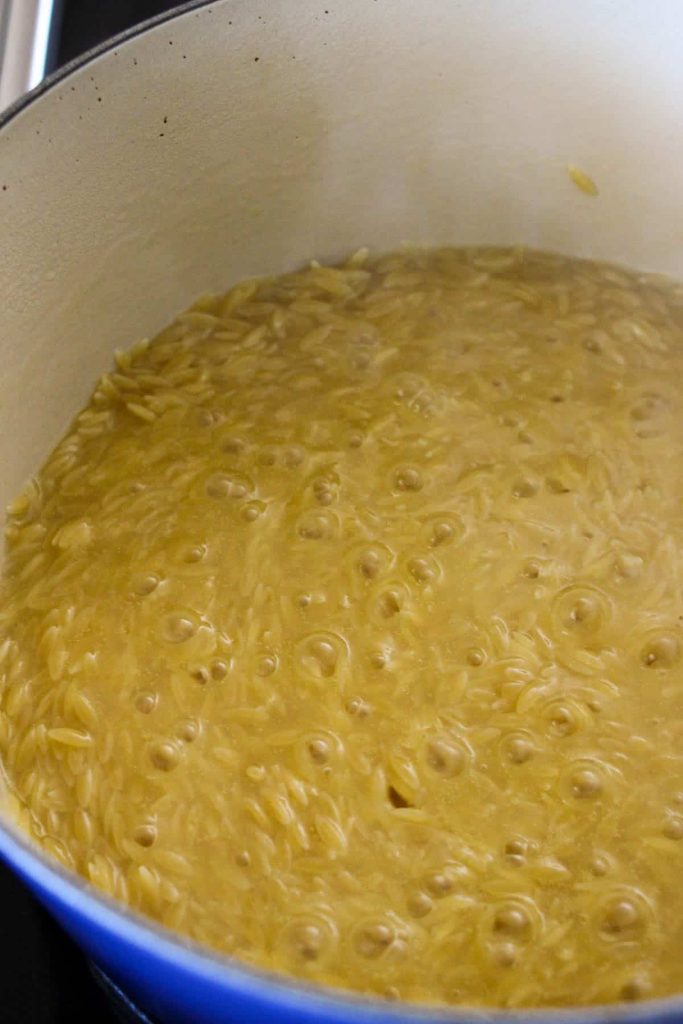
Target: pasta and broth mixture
<point x="342" y="632"/>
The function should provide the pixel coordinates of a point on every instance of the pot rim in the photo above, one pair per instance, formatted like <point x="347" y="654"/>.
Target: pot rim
<point x="88" y="56"/>
<point x="317" y="1002"/>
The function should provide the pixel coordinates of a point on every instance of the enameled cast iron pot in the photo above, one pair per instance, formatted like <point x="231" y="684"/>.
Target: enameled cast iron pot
<point x="247" y="136"/>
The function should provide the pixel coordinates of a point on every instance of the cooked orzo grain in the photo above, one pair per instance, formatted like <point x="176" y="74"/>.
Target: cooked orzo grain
<point x="342" y="632"/>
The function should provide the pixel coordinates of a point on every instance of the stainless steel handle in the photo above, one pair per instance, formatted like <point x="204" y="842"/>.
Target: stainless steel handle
<point x="24" y="42"/>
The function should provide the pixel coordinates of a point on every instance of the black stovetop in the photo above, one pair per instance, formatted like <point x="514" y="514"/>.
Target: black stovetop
<point x="44" y="978"/>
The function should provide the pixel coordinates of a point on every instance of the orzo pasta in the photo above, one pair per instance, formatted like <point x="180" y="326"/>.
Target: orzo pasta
<point x="342" y="632"/>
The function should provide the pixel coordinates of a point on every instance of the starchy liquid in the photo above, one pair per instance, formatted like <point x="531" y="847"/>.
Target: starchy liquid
<point x="342" y="632"/>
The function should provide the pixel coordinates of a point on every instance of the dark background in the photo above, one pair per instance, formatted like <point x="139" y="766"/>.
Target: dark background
<point x="84" y="23"/>
<point x="44" y="979"/>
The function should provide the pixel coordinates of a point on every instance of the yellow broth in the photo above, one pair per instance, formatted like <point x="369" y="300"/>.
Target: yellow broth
<point x="342" y="631"/>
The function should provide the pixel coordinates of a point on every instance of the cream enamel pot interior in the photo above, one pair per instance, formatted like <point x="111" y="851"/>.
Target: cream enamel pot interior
<point x="247" y="136"/>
